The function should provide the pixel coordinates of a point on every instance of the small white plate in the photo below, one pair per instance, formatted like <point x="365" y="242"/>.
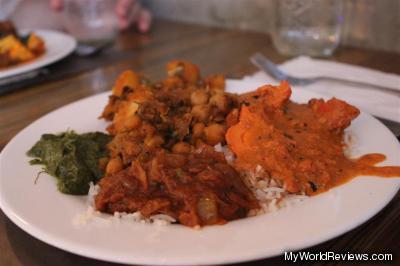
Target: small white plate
<point x="47" y="214"/>
<point x="58" y="46"/>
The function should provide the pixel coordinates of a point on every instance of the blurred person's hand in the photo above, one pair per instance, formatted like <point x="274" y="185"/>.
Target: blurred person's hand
<point x="129" y="12"/>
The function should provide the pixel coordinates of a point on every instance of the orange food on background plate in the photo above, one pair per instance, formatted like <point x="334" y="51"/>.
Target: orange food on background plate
<point x="15" y="50"/>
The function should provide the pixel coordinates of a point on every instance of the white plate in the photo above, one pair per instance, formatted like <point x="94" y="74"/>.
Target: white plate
<point x="58" y="46"/>
<point x="47" y="214"/>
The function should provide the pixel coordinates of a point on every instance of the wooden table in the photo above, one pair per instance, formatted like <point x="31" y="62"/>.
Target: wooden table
<point x="215" y="51"/>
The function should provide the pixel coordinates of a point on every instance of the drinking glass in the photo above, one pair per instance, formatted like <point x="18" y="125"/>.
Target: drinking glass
<point x="307" y="27"/>
<point x="91" y="21"/>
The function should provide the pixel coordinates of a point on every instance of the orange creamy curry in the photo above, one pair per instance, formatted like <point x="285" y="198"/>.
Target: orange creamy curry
<point x="300" y="145"/>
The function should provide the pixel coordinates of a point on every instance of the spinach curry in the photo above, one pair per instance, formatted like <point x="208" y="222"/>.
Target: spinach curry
<point x="73" y="159"/>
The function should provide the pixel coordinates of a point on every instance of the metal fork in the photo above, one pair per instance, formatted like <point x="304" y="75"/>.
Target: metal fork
<point x="272" y="69"/>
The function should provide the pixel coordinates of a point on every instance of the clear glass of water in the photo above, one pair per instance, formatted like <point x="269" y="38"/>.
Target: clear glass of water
<point x="91" y="21"/>
<point x="307" y="27"/>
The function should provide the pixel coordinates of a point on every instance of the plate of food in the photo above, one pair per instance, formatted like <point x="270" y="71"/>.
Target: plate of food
<point x="197" y="170"/>
<point x="26" y="50"/>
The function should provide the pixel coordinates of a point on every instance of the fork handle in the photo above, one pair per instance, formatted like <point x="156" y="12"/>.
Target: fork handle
<point x="359" y="84"/>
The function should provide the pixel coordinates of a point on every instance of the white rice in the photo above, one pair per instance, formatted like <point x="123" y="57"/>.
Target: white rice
<point x="270" y="196"/>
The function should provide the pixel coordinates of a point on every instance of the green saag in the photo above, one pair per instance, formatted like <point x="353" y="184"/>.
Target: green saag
<point x="73" y="159"/>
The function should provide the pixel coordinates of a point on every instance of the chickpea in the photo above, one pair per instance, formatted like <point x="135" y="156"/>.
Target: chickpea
<point x="181" y="147"/>
<point x="208" y="210"/>
<point x="199" y="97"/>
<point x="132" y="122"/>
<point x="220" y="101"/>
<point x="154" y="141"/>
<point x="201" y="112"/>
<point x="198" y="130"/>
<point x="114" y="165"/>
<point x="214" y="134"/>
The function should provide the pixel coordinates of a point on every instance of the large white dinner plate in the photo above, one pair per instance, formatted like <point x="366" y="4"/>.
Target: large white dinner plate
<point x="58" y="46"/>
<point x="47" y="214"/>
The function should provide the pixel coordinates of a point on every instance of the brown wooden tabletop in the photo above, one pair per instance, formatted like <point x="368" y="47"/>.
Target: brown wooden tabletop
<point x="215" y="51"/>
